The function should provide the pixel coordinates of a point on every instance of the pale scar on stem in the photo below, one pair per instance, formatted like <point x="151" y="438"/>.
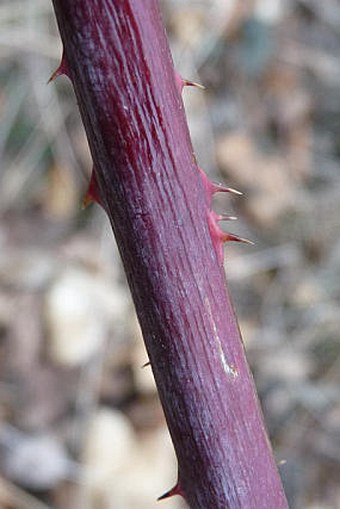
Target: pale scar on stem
<point x="228" y="368"/>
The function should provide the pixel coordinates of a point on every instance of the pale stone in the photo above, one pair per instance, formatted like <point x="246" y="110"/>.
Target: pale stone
<point x="37" y="462"/>
<point x="123" y="471"/>
<point x="80" y="308"/>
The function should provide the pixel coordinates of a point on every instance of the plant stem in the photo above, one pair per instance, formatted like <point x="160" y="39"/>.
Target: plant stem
<point x="159" y="205"/>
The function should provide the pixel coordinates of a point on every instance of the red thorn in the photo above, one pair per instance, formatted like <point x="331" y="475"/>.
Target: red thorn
<point x="176" y="490"/>
<point x="212" y="187"/>
<point x="61" y="69"/>
<point x="227" y="237"/>
<point x="220" y="188"/>
<point x="188" y="83"/>
<point x="181" y="83"/>
<point x="92" y="194"/>
<point x="219" y="236"/>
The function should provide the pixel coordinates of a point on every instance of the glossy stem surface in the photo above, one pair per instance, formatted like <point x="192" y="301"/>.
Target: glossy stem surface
<point x="157" y="200"/>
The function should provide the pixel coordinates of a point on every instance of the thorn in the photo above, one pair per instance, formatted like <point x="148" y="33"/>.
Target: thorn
<point x="146" y="364"/>
<point x="227" y="237"/>
<point x="188" y="83"/>
<point x="176" y="490"/>
<point x="226" y="218"/>
<point x="213" y="187"/>
<point x="181" y="83"/>
<point x="218" y="236"/>
<point x="61" y="69"/>
<point x="92" y="194"/>
<point x="221" y="217"/>
<point x="220" y="188"/>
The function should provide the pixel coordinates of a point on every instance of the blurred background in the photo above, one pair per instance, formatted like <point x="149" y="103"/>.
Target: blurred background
<point x="80" y="422"/>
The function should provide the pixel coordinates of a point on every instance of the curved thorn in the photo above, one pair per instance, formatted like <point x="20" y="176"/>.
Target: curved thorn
<point x="61" y="69"/>
<point x="146" y="364"/>
<point x="227" y="237"/>
<point x="181" y="83"/>
<point x="220" y="188"/>
<point x="188" y="83"/>
<point x="92" y="194"/>
<point x="176" y="490"/>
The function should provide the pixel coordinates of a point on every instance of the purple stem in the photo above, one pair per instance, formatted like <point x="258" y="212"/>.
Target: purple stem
<point x="159" y="205"/>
